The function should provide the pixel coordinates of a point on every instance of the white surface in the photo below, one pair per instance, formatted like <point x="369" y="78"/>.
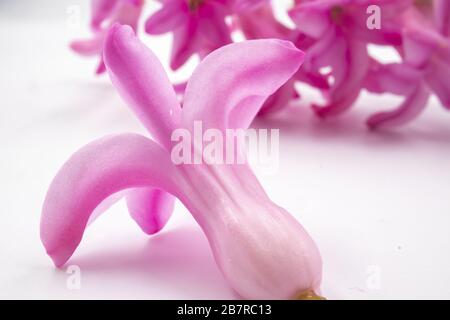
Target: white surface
<point x="378" y="204"/>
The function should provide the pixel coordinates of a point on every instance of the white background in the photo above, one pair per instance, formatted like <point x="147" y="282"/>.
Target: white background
<point x="377" y="204"/>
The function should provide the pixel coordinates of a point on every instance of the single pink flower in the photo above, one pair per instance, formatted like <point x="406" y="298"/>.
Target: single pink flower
<point x="339" y="33"/>
<point x="263" y="252"/>
<point x="424" y="70"/>
<point x="104" y="14"/>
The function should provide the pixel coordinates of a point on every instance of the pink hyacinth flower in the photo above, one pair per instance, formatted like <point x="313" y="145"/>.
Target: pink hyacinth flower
<point x="340" y="37"/>
<point x="425" y="67"/>
<point x="260" y="23"/>
<point x="104" y="14"/>
<point x="198" y="26"/>
<point x="263" y="252"/>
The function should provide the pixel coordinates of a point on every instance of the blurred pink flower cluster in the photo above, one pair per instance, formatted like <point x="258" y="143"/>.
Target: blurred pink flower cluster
<point x="335" y="35"/>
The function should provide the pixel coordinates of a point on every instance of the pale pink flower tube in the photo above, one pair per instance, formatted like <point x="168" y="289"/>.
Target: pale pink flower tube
<point x="263" y="252"/>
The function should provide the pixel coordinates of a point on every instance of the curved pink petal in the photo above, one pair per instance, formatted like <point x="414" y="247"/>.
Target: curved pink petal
<point x="311" y="21"/>
<point x="409" y="110"/>
<point x="105" y="205"/>
<point x="280" y="98"/>
<point x="230" y="85"/>
<point x="172" y="15"/>
<point x="442" y="16"/>
<point x="128" y="13"/>
<point x="90" y="47"/>
<point x="101" y="68"/>
<point x="141" y="80"/>
<point x="314" y="79"/>
<point x="416" y="52"/>
<point x="437" y="77"/>
<point x="92" y="174"/>
<point x="151" y="208"/>
<point x="394" y="78"/>
<point x="250" y="24"/>
<point x="330" y="48"/>
<point x="185" y="43"/>
<point x="349" y="72"/>
<point x="214" y="30"/>
<point x="100" y="11"/>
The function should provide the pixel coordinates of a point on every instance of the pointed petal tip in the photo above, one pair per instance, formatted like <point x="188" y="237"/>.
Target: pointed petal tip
<point x="142" y="82"/>
<point x="73" y="46"/>
<point x="94" y="173"/>
<point x="58" y="257"/>
<point x="149" y="27"/>
<point x="117" y="31"/>
<point x="80" y="47"/>
<point x="58" y="253"/>
<point x="58" y="261"/>
<point x="55" y="253"/>
<point x="116" y="39"/>
<point x="379" y="121"/>
<point x="101" y="69"/>
<point x="287" y="44"/>
<point x="175" y="64"/>
<point x="291" y="49"/>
